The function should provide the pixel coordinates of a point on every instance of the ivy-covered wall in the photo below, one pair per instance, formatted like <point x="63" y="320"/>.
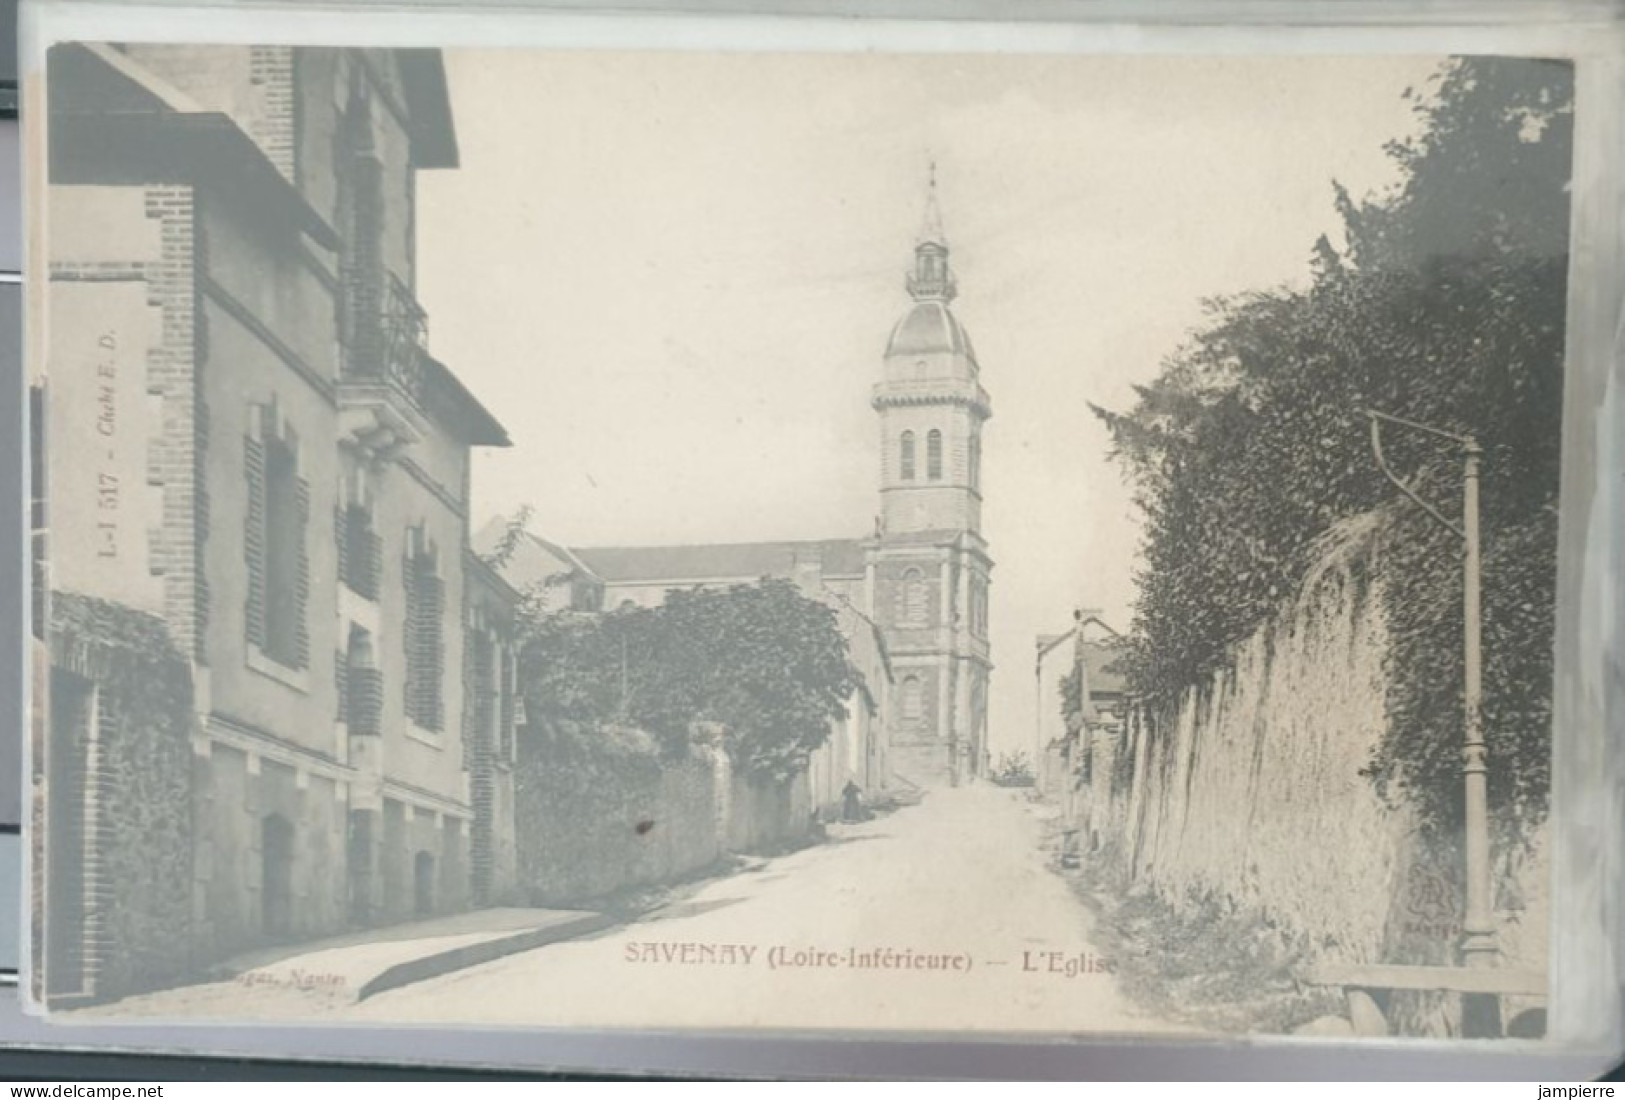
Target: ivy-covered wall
<point x="1253" y="789"/>
<point x="124" y="703"/>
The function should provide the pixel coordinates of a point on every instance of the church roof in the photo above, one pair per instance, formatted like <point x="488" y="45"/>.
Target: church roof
<point x="722" y="561"/>
<point x="927" y="328"/>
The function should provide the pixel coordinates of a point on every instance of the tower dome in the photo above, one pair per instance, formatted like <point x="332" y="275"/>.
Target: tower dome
<point x="927" y="328"/>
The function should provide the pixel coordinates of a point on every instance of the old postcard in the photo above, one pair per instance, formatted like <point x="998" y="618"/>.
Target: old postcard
<point x="953" y="543"/>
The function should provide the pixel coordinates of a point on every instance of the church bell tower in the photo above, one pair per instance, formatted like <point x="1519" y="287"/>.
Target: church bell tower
<point x="931" y="402"/>
<point x="929" y="564"/>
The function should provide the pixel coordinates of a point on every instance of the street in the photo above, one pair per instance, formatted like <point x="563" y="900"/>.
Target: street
<point x="939" y="916"/>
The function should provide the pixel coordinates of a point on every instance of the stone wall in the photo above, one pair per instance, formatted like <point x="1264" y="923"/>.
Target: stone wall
<point x="592" y="820"/>
<point x="767" y="814"/>
<point x="1250" y="790"/>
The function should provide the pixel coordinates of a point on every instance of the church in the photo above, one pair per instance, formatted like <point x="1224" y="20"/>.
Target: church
<point x="912" y="599"/>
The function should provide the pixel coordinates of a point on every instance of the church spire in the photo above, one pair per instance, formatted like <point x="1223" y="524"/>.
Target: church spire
<point x="931" y="226"/>
<point x="931" y="280"/>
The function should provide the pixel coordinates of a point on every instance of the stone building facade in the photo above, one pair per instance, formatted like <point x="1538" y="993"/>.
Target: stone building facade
<point x="250" y="442"/>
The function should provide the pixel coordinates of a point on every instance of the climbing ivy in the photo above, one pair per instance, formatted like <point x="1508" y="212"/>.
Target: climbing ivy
<point x="1250" y="452"/>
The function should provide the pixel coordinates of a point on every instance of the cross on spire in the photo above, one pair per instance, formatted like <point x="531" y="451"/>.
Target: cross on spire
<point x="931" y="228"/>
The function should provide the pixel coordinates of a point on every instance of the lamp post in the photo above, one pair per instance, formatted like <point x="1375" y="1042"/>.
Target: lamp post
<point x="1478" y="941"/>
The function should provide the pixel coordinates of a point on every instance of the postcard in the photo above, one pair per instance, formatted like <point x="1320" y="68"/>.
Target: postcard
<point x="986" y="543"/>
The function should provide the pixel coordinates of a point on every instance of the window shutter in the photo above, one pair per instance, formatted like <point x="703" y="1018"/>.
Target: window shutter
<point x="375" y="562"/>
<point x="506" y="717"/>
<point x="366" y="700"/>
<point x="433" y="612"/>
<point x="409" y="635"/>
<point x="301" y="621"/>
<point x="341" y="680"/>
<point x="341" y="539"/>
<point x="472" y="710"/>
<point x="254" y="539"/>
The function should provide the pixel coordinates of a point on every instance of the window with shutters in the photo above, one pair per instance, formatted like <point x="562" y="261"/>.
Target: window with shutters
<point x="278" y="519"/>
<point x="362" y="694"/>
<point x="933" y="455"/>
<point x="907" y="456"/>
<point x="424" y="634"/>
<point x="284" y="556"/>
<point x="360" y="550"/>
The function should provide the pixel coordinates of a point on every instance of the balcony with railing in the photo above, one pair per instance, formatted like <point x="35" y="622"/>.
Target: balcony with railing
<point x="382" y="387"/>
<point x="405" y="340"/>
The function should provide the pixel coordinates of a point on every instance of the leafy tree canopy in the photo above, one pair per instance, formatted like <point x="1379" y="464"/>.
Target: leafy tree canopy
<point x="762" y="662"/>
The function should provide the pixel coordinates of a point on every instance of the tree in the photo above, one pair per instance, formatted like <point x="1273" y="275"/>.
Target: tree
<point x="762" y="661"/>
<point x="1249" y="451"/>
<point x="514" y="531"/>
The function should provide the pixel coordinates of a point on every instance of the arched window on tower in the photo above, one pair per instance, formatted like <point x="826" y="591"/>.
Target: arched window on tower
<point x="975" y="459"/>
<point x="933" y="455"/>
<point x="906" y="449"/>
<point x="915" y="599"/>
<point x="912" y="699"/>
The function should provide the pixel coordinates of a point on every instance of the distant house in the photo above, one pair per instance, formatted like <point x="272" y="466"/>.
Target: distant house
<point x="1095" y="654"/>
<point x="1105" y="684"/>
<point x="555" y="576"/>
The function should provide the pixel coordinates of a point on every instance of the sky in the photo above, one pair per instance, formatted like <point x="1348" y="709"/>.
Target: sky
<point x="672" y="275"/>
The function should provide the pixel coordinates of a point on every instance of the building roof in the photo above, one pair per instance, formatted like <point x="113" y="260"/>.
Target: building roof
<point x="533" y="561"/>
<point x="722" y="561"/>
<point x="461" y="410"/>
<point x="940" y="536"/>
<point x="485" y="577"/>
<point x="927" y="328"/>
<point x="428" y="105"/>
<point x="112" y="121"/>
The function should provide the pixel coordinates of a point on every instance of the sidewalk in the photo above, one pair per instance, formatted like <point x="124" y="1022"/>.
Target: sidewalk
<point x="329" y="975"/>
